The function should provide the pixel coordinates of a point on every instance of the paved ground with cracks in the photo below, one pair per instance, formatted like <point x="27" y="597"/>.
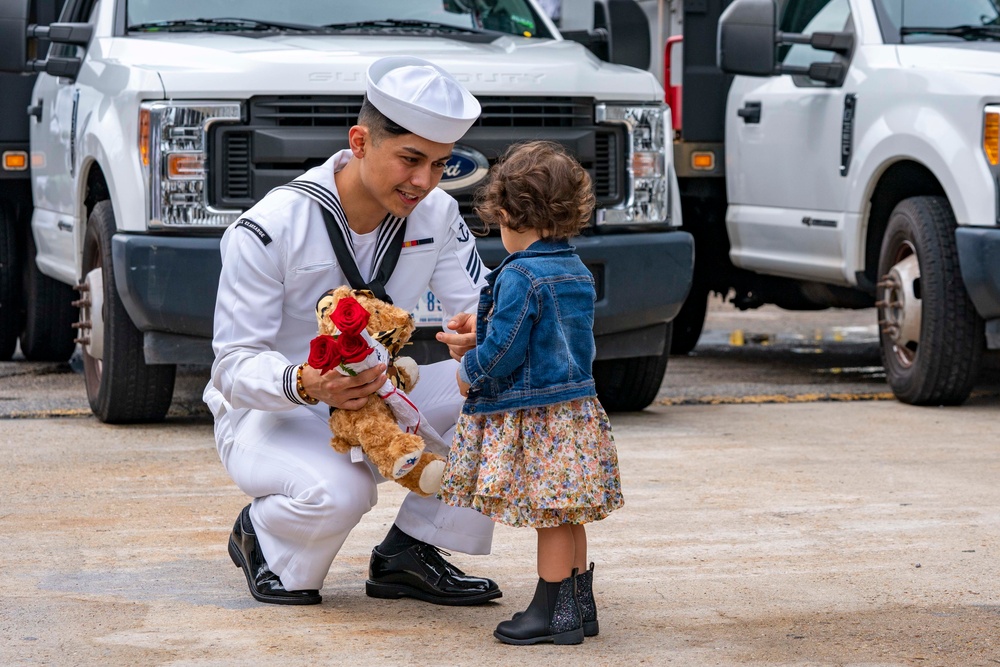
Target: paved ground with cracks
<point x="803" y="530"/>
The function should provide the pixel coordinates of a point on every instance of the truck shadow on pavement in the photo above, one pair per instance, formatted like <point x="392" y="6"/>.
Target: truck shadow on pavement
<point x="742" y="367"/>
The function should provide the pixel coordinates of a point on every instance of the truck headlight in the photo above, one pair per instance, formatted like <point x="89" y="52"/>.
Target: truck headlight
<point x="646" y="166"/>
<point x="173" y="141"/>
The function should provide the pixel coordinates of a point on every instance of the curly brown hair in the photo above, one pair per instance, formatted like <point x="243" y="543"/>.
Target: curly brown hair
<point x="539" y="186"/>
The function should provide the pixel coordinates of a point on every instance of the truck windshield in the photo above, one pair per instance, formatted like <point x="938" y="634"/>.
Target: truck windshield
<point x="937" y="20"/>
<point x="511" y="17"/>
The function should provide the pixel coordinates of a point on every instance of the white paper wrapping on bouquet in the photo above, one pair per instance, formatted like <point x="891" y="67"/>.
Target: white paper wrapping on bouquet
<point x="407" y="414"/>
<point x="378" y="355"/>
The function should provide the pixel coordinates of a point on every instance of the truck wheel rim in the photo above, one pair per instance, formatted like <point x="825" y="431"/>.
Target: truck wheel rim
<point x="900" y="305"/>
<point x="91" y="323"/>
<point x="92" y="366"/>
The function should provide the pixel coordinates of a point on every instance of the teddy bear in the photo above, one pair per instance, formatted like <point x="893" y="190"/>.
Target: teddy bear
<point x="397" y="454"/>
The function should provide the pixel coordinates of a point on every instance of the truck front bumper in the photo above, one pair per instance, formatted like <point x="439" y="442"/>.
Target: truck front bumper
<point x="168" y="286"/>
<point x="979" y="257"/>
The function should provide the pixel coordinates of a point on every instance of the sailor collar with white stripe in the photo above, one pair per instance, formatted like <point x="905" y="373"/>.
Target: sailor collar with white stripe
<point x="319" y="185"/>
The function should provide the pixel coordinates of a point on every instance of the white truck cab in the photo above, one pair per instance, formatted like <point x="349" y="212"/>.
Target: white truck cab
<point x="861" y="168"/>
<point x="154" y="124"/>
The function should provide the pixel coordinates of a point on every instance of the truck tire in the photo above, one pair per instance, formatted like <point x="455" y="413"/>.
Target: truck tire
<point x="48" y="313"/>
<point x="932" y="338"/>
<point x="121" y="387"/>
<point x="11" y="318"/>
<point x="689" y="321"/>
<point x="631" y="384"/>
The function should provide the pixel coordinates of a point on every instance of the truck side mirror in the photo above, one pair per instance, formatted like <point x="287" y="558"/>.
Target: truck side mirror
<point x="585" y="22"/>
<point x="618" y="32"/>
<point x="629" y="28"/>
<point x="14" y="35"/>
<point x="830" y="73"/>
<point x="746" y="38"/>
<point x="63" y="33"/>
<point x="57" y="66"/>
<point x="78" y="34"/>
<point x="19" y="41"/>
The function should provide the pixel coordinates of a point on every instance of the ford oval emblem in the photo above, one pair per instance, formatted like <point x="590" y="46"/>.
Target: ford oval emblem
<point x="465" y="168"/>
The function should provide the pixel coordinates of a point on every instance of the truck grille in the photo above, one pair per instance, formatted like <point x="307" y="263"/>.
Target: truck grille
<point x="236" y="166"/>
<point x="497" y="112"/>
<point x="285" y="136"/>
<point x="605" y="172"/>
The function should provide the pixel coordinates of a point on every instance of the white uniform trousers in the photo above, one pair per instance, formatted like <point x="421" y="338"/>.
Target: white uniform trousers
<point x="307" y="497"/>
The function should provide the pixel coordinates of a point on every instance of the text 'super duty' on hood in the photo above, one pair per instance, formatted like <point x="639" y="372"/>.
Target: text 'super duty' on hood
<point x="214" y="65"/>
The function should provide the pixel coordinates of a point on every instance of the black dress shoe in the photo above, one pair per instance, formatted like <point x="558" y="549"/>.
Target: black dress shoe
<point x="265" y="586"/>
<point x="421" y="572"/>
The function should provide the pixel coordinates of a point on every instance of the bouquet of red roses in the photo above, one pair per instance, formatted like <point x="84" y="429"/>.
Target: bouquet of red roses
<point x="351" y="349"/>
<point x="344" y="344"/>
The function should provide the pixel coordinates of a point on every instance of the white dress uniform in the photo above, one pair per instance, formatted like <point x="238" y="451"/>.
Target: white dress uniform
<point x="277" y="261"/>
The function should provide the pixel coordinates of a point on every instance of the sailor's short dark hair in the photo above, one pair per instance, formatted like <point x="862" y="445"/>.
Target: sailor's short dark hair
<point x="379" y="125"/>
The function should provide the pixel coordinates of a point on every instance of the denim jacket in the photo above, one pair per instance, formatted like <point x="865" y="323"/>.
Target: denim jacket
<point x="534" y="332"/>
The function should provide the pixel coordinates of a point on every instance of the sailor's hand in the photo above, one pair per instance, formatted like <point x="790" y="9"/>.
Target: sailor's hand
<point x="343" y="391"/>
<point x="464" y="338"/>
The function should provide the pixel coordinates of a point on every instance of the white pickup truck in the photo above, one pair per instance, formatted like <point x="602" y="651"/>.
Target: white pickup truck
<point x="155" y="123"/>
<point x="853" y="160"/>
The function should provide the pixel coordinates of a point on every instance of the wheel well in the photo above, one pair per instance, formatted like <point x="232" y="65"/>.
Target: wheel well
<point x="900" y="181"/>
<point x="97" y="189"/>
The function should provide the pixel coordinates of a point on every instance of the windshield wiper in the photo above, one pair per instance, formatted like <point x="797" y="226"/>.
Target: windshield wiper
<point x="411" y="24"/>
<point x="970" y="32"/>
<point x="220" y="24"/>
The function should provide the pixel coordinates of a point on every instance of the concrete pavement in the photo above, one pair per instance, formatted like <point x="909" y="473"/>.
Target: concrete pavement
<point x="804" y="534"/>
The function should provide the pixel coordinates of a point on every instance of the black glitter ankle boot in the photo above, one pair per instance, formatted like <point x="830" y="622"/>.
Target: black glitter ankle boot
<point x="585" y="596"/>
<point x="552" y="616"/>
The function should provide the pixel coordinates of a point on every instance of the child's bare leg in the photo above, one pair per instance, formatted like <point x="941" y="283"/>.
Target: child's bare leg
<point x="556" y="552"/>
<point x="580" y="542"/>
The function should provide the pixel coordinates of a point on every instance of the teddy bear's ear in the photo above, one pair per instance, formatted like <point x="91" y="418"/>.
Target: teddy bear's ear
<point x="327" y="295"/>
<point x="324" y="307"/>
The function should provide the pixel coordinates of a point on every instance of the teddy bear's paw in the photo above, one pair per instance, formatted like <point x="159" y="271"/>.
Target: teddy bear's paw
<point x="405" y="463"/>
<point x="430" y="478"/>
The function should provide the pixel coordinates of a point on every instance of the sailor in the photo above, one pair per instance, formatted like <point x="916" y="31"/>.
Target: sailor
<point x="371" y="216"/>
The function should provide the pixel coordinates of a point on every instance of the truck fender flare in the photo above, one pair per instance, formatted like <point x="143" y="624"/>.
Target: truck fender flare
<point x="963" y="179"/>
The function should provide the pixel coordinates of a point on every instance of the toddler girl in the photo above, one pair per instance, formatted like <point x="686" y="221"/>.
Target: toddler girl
<point x="533" y="446"/>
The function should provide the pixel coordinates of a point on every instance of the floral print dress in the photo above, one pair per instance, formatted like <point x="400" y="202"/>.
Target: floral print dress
<point x="540" y="467"/>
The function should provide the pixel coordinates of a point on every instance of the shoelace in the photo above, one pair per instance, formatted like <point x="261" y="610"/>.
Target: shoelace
<point x="438" y="555"/>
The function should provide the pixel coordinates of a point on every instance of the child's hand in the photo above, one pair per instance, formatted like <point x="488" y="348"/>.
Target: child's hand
<point x="463" y="388"/>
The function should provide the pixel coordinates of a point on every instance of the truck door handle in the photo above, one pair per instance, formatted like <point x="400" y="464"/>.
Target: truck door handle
<point x="750" y="113"/>
<point x="36" y="111"/>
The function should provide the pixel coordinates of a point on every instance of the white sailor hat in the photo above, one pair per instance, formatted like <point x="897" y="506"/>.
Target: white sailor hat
<point x="422" y="97"/>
